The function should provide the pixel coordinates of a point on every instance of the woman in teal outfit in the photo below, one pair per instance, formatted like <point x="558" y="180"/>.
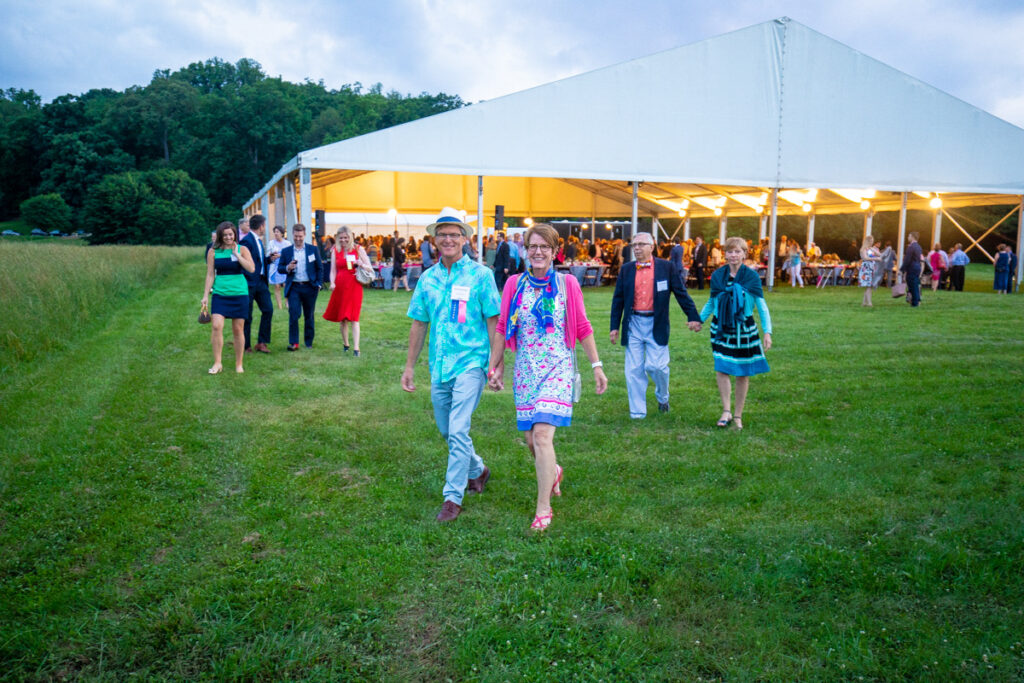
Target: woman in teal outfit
<point x="224" y="264"/>
<point x="735" y="292"/>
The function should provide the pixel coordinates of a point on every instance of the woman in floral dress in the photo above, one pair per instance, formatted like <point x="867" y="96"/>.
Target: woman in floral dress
<point x="869" y="258"/>
<point x="542" y="318"/>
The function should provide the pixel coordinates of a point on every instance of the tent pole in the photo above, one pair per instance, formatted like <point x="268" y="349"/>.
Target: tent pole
<point x="810" y="229"/>
<point x="636" y="189"/>
<point x="771" y="242"/>
<point x="869" y="217"/>
<point x="686" y="229"/>
<point x="902" y="238"/>
<point x="723" y="229"/>
<point x="289" y="200"/>
<point x="265" y="206"/>
<point x="480" y="219"/>
<point x="306" y="200"/>
<point x="937" y="227"/>
<point x="1020" y="244"/>
<point x="762" y="228"/>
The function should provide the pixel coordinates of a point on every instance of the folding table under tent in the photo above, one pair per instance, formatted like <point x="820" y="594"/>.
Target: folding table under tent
<point x="769" y="120"/>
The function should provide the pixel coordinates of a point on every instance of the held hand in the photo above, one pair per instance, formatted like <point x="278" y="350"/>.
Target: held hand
<point x="767" y="342"/>
<point x="407" y="381"/>
<point x="496" y="376"/>
<point x="694" y="325"/>
<point x="203" y="302"/>
<point x="600" y="381"/>
<point x="291" y="266"/>
<point x="614" y="336"/>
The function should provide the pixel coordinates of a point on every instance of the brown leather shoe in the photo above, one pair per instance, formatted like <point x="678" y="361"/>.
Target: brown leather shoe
<point x="262" y="348"/>
<point x="449" y="511"/>
<point x="477" y="485"/>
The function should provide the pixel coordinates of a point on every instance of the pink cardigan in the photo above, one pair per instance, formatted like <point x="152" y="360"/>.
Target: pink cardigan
<point x="577" y="326"/>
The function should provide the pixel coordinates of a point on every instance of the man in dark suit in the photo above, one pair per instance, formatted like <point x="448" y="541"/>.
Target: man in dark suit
<point x="913" y="257"/>
<point x="259" y="291"/>
<point x="700" y="260"/>
<point x="304" y="269"/>
<point x="676" y="257"/>
<point x="502" y="261"/>
<point x="641" y="305"/>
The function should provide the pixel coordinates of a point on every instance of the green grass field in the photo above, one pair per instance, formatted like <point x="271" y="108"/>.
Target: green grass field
<point x="160" y="523"/>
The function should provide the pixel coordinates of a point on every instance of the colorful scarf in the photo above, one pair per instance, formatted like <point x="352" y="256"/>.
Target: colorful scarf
<point x="543" y="308"/>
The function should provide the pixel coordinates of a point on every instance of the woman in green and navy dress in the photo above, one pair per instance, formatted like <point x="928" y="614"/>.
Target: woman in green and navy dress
<point x="735" y="292"/>
<point x="224" y="264"/>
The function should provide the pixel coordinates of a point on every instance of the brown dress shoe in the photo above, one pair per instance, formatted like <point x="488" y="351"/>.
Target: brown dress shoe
<point x="449" y="511"/>
<point x="477" y="485"/>
<point x="262" y="348"/>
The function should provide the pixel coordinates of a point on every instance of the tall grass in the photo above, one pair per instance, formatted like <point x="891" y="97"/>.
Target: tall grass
<point x="49" y="291"/>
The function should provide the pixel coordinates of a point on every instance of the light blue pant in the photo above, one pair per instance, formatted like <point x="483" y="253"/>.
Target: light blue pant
<point x="454" y="403"/>
<point x="644" y="358"/>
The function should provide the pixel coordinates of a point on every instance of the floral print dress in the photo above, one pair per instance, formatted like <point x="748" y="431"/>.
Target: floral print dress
<point x="544" y="368"/>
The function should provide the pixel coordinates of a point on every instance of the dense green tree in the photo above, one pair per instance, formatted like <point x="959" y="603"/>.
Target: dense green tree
<point x="112" y="209"/>
<point x="47" y="212"/>
<point x="74" y="162"/>
<point x="22" y="144"/>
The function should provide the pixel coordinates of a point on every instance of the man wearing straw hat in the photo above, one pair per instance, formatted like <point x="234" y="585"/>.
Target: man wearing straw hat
<point x="458" y="302"/>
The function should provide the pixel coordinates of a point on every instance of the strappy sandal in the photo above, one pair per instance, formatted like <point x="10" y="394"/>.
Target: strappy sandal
<point x="556" y="489"/>
<point x="215" y="370"/>
<point x="542" y="522"/>
<point x="737" y="422"/>
<point x="724" y="421"/>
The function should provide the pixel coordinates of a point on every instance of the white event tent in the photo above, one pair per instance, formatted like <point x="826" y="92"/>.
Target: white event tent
<point x="725" y="126"/>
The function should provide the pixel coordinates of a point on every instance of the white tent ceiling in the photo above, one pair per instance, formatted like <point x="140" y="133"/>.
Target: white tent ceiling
<point x="775" y="105"/>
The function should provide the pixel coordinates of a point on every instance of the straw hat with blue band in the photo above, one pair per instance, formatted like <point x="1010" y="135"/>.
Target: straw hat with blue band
<point x="450" y="216"/>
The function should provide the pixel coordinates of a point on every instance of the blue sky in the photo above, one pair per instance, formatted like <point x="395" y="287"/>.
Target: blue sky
<point x="481" y="49"/>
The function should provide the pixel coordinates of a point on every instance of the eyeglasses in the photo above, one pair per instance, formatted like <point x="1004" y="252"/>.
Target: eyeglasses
<point x="533" y="248"/>
<point x="640" y="244"/>
<point x="448" y="235"/>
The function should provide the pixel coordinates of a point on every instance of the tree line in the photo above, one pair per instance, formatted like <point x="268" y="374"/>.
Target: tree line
<point x="161" y="163"/>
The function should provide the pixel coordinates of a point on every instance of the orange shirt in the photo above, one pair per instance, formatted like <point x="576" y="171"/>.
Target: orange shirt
<point x="643" y="288"/>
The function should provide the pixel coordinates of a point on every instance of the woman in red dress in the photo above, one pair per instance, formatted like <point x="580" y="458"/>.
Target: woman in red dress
<point x="346" y="292"/>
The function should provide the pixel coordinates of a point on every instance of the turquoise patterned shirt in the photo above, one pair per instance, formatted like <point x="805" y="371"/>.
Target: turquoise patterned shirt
<point x="455" y="346"/>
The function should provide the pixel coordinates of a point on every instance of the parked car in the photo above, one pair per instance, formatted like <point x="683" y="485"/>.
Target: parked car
<point x="38" y="232"/>
<point x="56" y="233"/>
<point x="11" y="233"/>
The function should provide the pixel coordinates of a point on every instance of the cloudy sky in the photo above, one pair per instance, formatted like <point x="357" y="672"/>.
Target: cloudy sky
<point x="481" y="49"/>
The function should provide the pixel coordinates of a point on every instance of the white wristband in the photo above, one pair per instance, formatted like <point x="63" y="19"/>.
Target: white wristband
<point x="597" y="364"/>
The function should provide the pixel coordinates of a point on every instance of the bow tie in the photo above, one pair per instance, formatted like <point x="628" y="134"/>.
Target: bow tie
<point x="644" y="265"/>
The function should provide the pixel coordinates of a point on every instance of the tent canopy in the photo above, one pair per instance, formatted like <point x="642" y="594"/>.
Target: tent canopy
<point x="711" y="125"/>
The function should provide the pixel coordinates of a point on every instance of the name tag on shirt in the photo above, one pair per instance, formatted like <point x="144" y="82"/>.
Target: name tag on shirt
<point x="351" y="258"/>
<point x="311" y="258"/>
<point x="662" y="285"/>
<point x="234" y="258"/>
<point x="460" y="293"/>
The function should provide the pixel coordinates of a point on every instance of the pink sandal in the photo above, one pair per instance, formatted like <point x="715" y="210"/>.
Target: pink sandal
<point x="556" y="489"/>
<point x="542" y="522"/>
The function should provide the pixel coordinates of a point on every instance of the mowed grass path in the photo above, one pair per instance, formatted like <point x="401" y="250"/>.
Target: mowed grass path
<point x="867" y="524"/>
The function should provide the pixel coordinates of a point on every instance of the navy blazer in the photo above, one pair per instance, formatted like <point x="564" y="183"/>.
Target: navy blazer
<point x="314" y="269"/>
<point x="502" y="258"/>
<point x="259" y="274"/>
<point x="622" y="300"/>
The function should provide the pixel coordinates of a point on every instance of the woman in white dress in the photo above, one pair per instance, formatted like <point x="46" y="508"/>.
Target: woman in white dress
<point x="277" y="279"/>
